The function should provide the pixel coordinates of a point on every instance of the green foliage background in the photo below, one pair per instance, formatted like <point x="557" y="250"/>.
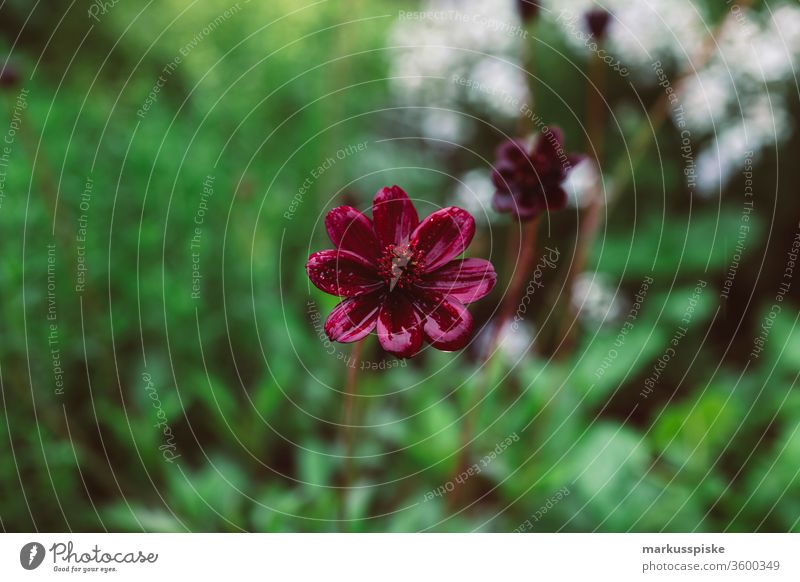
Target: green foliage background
<point x="249" y="391"/>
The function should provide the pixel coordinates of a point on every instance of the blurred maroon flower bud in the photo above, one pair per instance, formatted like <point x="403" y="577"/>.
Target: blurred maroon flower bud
<point x="400" y="276"/>
<point x="529" y="183"/>
<point x="9" y="76"/>
<point x="597" y="21"/>
<point x="349" y="198"/>
<point x="528" y="10"/>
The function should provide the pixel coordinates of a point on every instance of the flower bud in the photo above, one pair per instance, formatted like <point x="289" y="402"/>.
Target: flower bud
<point x="597" y="21"/>
<point x="9" y="76"/>
<point x="528" y="10"/>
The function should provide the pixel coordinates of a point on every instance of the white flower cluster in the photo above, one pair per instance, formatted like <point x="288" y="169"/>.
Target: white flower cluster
<point x="452" y="53"/>
<point x="644" y="31"/>
<point x="595" y="298"/>
<point x="737" y="102"/>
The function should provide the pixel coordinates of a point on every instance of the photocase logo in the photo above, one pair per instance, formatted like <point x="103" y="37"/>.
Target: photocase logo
<point x="31" y="555"/>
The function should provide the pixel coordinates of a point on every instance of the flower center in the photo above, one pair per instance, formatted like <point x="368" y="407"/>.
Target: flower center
<point x="400" y="265"/>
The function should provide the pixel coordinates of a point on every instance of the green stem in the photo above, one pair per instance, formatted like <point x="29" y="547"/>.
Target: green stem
<point x="346" y="427"/>
<point x="523" y="259"/>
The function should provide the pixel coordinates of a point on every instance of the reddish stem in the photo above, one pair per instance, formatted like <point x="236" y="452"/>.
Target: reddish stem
<point x="591" y="215"/>
<point x="523" y="265"/>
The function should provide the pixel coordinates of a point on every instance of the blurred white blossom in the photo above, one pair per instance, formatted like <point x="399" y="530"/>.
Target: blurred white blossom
<point x="514" y="341"/>
<point x="738" y="100"/>
<point x="505" y="86"/>
<point x="474" y="194"/>
<point x="475" y="41"/>
<point x="639" y="32"/>
<point x="444" y="124"/>
<point x="582" y="182"/>
<point x="765" y="123"/>
<point x="736" y="103"/>
<point x="458" y="52"/>
<point x="595" y="298"/>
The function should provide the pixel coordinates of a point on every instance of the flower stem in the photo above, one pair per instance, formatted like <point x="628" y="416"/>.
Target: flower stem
<point x="591" y="215"/>
<point x="520" y="252"/>
<point x="522" y="257"/>
<point x="523" y="264"/>
<point x="525" y="122"/>
<point x="346" y="426"/>
<point x="340" y="76"/>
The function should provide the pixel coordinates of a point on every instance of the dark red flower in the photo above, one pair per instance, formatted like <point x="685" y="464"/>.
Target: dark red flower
<point x="528" y="10"/>
<point x="530" y="183"/>
<point x="400" y="275"/>
<point x="597" y="21"/>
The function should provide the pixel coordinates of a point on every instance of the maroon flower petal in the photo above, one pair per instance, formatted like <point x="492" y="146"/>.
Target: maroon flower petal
<point x="342" y="273"/>
<point x="350" y="230"/>
<point x="574" y="160"/>
<point x="399" y="326"/>
<point x="556" y="199"/>
<point x="551" y="143"/>
<point x="504" y="202"/>
<point x="512" y="151"/>
<point x="504" y="175"/>
<point x="394" y="216"/>
<point x="443" y="236"/>
<point x="353" y="319"/>
<point x="448" y="324"/>
<point x="524" y="208"/>
<point x="466" y="280"/>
